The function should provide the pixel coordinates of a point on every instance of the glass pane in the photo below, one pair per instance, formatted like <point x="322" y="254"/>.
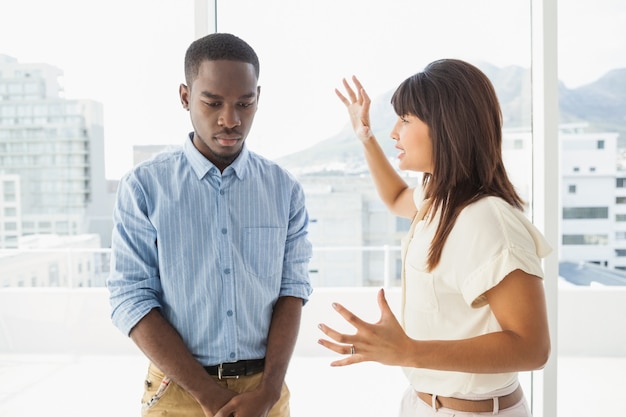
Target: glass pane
<point x="592" y="70"/>
<point x="306" y="48"/>
<point x="127" y="55"/>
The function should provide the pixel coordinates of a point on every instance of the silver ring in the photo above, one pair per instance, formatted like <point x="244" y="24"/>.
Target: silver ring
<point x="352" y="350"/>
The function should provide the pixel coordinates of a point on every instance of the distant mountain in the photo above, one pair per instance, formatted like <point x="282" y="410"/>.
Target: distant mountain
<point x="601" y="104"/>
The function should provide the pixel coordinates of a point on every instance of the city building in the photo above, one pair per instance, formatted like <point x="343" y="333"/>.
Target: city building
<point x="356" y="237"/>
<point x="593" y="192"/>
<point x="55" y="261"/>
<point x="56" y="147"/>
<point x="592" y="209"/>
<point x="10" y="211"/>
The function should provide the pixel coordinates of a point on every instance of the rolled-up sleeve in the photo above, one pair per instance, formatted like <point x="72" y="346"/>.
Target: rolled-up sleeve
<point x="133" y="283"/>
<point x="298" y="250"/>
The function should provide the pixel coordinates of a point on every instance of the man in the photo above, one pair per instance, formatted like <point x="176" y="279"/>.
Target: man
<point x="210" y="255"/>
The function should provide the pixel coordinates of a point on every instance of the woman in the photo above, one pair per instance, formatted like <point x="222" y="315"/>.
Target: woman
<point x="473" y="304"/>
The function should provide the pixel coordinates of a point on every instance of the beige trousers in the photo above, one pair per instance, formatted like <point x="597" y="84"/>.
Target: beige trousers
<point x="163" y="397"/>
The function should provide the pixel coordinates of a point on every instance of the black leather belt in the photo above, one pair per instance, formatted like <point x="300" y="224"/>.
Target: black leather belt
<point x="236" y="369"/>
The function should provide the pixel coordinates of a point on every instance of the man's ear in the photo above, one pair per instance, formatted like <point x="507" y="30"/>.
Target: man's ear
<point x="183" y="92"/>
<point x="258" y="94"/>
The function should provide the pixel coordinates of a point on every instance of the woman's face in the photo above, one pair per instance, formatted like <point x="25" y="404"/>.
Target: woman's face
<point x="413" y="140"/>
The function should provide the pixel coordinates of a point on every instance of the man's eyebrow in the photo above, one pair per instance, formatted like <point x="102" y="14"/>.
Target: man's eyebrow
<point x="212" y="96"/>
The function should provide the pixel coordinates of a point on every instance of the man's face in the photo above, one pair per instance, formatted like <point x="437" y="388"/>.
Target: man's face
<point x="222" y="101"/>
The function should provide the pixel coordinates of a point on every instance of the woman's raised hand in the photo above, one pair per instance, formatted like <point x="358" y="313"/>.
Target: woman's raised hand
<point x="358" y="105"/>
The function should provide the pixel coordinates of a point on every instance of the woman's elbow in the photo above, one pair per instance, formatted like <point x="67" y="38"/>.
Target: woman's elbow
<point x="541" y="355"/>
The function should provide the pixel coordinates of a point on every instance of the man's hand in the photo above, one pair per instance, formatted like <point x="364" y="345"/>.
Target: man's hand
<point x="247" y="404"/>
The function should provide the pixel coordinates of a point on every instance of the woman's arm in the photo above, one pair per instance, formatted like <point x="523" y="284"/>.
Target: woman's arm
<point x="392" y="189"/>
<point x="518" y="303"/>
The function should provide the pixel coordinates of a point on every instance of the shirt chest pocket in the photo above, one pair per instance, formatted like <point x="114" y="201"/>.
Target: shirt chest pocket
<point x="263" y="250"/>
<point x="420" y="290"/>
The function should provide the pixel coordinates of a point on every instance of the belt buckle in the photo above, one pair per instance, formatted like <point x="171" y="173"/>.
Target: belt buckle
<point x="220" y="376"/>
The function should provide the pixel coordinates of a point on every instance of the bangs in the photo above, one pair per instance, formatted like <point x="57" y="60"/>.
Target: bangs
<point x="407" y="99"/>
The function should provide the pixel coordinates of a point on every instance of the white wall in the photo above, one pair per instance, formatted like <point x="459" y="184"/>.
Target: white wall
<point x="76" y="321"/>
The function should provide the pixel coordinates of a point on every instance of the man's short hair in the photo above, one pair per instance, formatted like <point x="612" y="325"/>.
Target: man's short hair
<point x="215" y="47"/>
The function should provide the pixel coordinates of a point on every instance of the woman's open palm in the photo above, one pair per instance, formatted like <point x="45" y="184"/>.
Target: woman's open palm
<point x="358" y="105"/>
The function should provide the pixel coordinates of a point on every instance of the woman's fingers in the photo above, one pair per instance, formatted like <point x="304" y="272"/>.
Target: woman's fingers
<point x="349" y="316"/>
<point x="343" y="348"/>
<point x="341" y="338"/>
<point x="383" y="305"/>
<point x="343" y="99"/>
<point x="359" y="97"/>
<point x="349" y="90"/>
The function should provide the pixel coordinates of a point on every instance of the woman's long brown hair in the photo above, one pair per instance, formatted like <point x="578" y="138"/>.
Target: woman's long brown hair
<point x="460" y="106"/>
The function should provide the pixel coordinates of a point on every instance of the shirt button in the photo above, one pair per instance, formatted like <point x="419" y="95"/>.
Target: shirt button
<point x="227" y="271"/>
<point x="221" y="192"/>
<point x="229" y="313"/>
<point x="232" y="354"/>
<point x="224" y="231"/>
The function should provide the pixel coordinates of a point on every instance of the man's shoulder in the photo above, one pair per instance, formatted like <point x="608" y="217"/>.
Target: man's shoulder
<point x="170" y="155"/>
<point x="266" y="165"/>
<point x="158" y="164"/>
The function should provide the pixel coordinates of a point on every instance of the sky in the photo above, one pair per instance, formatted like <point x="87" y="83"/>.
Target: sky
<point x="128" y="55"/>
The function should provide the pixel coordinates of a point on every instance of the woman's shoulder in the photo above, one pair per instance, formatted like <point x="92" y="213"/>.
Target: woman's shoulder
<point x="493" y="216"/>
<point x="491" y="206"/>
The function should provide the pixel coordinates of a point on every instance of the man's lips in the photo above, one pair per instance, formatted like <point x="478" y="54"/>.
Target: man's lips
<point x="227" y="140"/>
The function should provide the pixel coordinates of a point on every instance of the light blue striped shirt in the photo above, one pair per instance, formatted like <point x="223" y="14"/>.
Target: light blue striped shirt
<point x="212" y="250"/>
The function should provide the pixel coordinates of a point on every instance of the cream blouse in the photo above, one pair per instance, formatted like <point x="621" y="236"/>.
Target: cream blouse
<point x="489" y="240"/>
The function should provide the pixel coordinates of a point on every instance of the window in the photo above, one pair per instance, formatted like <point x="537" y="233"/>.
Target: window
<point x="585" y="213"/>
<point x="402" y="224"/>
<point x="10" y="211"/>
<point x="10" y="226"/>
<point x="600" y="144"/>
<point x="571" y="189"/>
<point x="9" y="186"/>
<point x="302" y="21"/>
<point x="620" y="200"/>
<point x="620" y="183"/>
<point x="585" y="239"/>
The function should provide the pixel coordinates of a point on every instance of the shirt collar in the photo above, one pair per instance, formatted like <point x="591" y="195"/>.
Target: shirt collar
<point x="203" y="166"/>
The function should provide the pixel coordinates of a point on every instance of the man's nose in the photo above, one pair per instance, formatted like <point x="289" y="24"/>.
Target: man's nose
<point x="229" y="118"/>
